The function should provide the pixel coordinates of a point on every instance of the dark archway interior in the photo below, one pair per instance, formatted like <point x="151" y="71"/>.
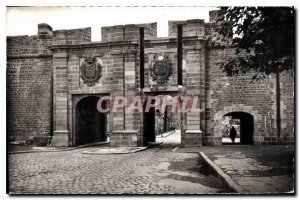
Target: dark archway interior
<point x="159" y="125"/>
<point x="90" y="123"/>
<point x="149" y="125"/>
<point x="246" y="126"/>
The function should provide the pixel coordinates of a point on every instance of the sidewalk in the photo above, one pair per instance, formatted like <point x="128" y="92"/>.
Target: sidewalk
<point x="255" y="169"/>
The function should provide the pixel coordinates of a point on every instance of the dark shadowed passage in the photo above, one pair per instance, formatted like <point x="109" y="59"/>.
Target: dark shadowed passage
<point x="90" y="123"/>
<point x="243" y="123"/>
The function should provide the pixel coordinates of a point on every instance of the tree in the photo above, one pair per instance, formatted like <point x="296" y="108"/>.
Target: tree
<point x="263" y="38"/>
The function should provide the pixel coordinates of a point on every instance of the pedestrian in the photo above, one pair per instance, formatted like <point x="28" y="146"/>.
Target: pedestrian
<point x="232" y="134"/>
<point x="172" y="128"/>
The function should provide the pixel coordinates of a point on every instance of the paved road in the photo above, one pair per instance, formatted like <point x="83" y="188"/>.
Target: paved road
<point x="153" y="171"/>
<point x="170" y="139"/>
<point x="258" y="169"/>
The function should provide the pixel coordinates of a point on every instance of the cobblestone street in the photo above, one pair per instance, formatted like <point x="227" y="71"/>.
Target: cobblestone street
<point x="153" y="171"/>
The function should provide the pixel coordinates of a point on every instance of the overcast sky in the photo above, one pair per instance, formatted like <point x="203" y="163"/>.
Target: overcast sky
<point x="24" y="20"/>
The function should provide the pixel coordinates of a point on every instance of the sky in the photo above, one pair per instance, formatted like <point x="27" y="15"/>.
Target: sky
<point x="24" y="20"/>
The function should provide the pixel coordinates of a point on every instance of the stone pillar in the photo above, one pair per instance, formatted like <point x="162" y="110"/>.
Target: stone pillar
<point x="193" y="133"/>
<point x="118" y="84"/>
<point x="131" y="118"/>
<point x="208" y="128"/>
<point x="202" y="88"/>
<point x="125" y="125"/>
<point x="60" y="98"/>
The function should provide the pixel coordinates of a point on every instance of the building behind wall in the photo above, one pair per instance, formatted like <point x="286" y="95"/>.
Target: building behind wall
<point x="44" y="84"/>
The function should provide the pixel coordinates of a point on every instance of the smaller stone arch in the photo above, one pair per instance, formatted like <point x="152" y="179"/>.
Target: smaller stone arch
<point x="235" y="108"/>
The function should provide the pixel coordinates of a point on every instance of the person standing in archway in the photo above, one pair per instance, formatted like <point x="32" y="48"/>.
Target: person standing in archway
<point x="232" y="134"/>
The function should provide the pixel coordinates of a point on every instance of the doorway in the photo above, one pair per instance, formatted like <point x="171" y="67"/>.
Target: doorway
<point x="161" y="126"/>
<point x="90" y="124"/>
<point x="244" y="125"/>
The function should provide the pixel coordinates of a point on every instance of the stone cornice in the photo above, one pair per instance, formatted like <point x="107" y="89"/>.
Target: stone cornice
<point x="124" y="43"/>
<point x="174" y="40"/>
<point x="93" y="45"/>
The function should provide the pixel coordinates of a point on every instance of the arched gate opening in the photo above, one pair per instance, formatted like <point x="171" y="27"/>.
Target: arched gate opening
<point x="161" y="126"/>
<point x="244" y="125"/>
<point x="90" y="124"/>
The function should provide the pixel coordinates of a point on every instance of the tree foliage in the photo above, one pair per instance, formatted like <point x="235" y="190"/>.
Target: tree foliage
<point x="263" y="38"/>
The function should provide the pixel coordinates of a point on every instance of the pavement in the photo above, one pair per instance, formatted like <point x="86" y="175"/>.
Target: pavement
<point x="170" y="139"/>
<point x="265" y="169"/>
<point x="163" y="169"/>
<point x="156" y="170"/>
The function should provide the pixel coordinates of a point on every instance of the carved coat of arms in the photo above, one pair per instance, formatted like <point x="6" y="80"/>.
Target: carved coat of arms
<point x="91" y="71"/>
<point x="161" y="68"/>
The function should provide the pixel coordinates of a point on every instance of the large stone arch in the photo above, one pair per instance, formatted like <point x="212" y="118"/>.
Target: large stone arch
<point x="236" y="108"/>
<point x="76" y="98"/>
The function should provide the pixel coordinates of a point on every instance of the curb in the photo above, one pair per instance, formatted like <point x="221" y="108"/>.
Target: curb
<point x="111" y="153"/>
<point x="175" y="149"/>
<point x="153" y="144"/>
<point x="58" y="150"/>
<point x="78" y="147"/>
<point x="170" y="133"/>
<point x="227" y="179"/>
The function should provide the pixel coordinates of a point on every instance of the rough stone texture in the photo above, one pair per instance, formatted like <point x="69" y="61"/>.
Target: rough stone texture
<point x="194" y="27"/>
<point x="287" y="86"/>
<point x="72" y="36"/>
<point x="128" y="32"/>
<point x="29" y="87"/>
<point x="123" y="138"/>
<point x="192" y="139"/>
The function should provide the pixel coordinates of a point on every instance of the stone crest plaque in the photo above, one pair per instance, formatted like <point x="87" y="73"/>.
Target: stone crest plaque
<point x="91" y="71"/>
<point x="161" y="68"/>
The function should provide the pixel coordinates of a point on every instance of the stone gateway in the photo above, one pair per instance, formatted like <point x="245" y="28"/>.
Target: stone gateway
<point x="56" y="78"/>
